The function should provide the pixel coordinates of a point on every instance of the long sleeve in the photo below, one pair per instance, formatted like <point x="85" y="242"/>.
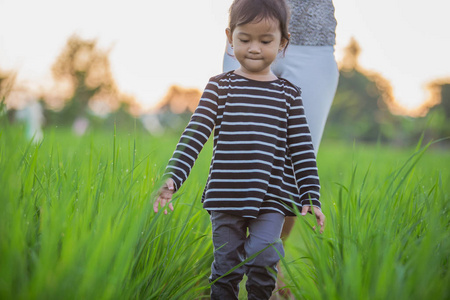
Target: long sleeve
<point x="194" y="136"/>
<point x="263" y="159"/>
<point x="302" y="155"/>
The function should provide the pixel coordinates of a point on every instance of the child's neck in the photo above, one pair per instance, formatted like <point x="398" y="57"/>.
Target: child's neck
<point x="255" y="76"/>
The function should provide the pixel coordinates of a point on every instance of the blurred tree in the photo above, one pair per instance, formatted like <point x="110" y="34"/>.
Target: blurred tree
<point x="179" y="100"/>
<point x="83" y="72"/>
<point x="439" y="95"/>
<point x="175" y="109"/>
<point x="360" y="108"/>
<point x="438" y="107"/>
<point x="7" y="81"/>
<point x="351" y="56"/>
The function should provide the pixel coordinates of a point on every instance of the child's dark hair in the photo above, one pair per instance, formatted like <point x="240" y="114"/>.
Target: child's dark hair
<point x="248" y="11"/>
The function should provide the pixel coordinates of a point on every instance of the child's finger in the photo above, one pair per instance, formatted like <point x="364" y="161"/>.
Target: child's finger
<point x="320" y="220"/>
<point x="155" y="205"/>
<point x="167" y="201"/>
<point x="169" y="184"/>
<point x="305" y="210"/>
<point x="160" y="201"/>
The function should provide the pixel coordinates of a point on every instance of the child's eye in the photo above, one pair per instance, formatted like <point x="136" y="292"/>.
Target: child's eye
<point x="266" y="42"/>
<point x="243" y="41"/>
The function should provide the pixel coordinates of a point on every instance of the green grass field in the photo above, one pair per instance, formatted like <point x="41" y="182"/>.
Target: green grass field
<point x="76" y="222"/>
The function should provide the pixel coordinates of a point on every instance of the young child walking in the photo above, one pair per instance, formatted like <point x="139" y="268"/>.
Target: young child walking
<point x="263" y="165"/>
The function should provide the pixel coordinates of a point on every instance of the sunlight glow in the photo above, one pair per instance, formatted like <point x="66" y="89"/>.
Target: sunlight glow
<point x="154" y="45"/>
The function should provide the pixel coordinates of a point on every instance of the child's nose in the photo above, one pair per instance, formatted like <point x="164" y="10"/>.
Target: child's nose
<point x="254" y="48"/>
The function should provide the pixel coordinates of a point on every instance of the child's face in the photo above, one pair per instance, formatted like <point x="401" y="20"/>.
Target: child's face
<point x="256" y="45"/>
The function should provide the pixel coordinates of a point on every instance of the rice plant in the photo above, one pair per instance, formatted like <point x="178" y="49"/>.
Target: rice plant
<point x="76" y="222"/>
<point x="387" y="234"/>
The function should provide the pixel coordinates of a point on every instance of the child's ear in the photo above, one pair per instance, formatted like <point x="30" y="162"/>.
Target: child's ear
<point x="284" y="42"/>
<point x="229" y="36"/>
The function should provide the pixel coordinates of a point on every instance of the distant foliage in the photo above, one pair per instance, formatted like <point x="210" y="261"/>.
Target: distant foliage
<point x="365" y="109"/>
<point x="82" y="73"/>
<point x="84" y="83"/>
<point x="7" y="80"/>
<point x="179" y="100"/>
<point x="359" y="109"/>
<point x="439" y="113"/>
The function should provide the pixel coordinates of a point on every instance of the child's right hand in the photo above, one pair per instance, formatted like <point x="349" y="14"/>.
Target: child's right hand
<point x="318" y="213"/>
<point x="164" y="196"/>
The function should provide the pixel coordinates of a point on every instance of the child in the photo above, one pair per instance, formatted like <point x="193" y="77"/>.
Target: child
<point x="263" y="162"/>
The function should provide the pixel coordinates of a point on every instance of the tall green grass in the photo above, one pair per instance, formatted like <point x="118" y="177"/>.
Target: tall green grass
<point x="387" y="234"/>
<point x="76" y="222"/>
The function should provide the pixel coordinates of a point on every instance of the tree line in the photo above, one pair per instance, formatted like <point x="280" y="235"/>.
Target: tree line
<point x="363" y="109"/>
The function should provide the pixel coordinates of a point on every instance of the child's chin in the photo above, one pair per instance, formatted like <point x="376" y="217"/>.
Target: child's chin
<point x="255" y="69"/>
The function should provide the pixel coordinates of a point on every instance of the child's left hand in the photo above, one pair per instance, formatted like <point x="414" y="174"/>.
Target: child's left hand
<point x="164" y="196"/>
<point x="318" y="213"/>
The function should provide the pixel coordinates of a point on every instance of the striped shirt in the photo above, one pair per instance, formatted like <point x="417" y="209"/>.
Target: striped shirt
<point x="263" y="159"/>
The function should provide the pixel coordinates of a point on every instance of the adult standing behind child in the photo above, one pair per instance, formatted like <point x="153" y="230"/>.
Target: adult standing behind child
<point x="263" y="165"/>
<point x="309" y="63"/>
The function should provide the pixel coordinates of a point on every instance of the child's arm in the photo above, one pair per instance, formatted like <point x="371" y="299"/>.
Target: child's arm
<point x="189" y="146"/>
<point x="304" y="161"/>
<point x="194" y="136"/>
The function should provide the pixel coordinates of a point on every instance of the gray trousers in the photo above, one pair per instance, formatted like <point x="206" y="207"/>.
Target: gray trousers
<point x="232" y="246"/>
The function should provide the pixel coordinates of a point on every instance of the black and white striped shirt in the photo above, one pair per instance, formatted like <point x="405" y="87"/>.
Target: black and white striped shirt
<point x="263" y="159"/>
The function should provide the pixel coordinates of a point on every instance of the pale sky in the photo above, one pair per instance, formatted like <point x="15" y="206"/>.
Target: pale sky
<point x="155" y="44"/>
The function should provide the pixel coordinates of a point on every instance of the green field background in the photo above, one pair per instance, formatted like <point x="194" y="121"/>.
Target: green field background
<point x="76" y="221"/>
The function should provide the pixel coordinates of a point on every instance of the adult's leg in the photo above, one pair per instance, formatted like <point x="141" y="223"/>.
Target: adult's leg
<point x="230" y="63"/>
<point x="287" y="227"/>
<point x="229" y="234"/>
<point x="264" y="233"/>
<point x="314" y="70"/>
